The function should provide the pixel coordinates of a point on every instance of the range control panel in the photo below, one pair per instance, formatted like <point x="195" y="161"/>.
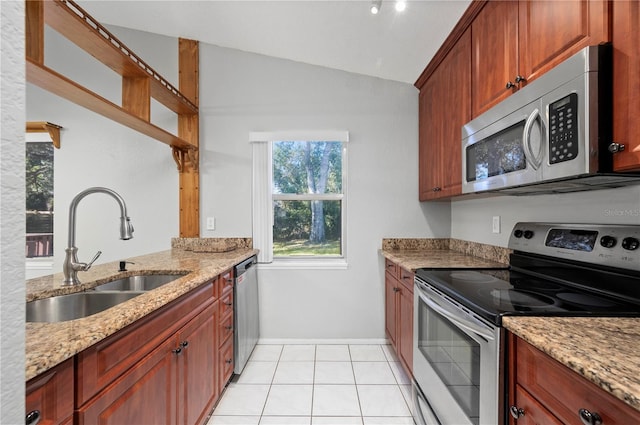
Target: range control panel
<point x="609" y="245"/>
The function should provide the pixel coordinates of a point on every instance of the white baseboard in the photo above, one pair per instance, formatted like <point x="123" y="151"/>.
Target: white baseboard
<point x="319" y="341"/>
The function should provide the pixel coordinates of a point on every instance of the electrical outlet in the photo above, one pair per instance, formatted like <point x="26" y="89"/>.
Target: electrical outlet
<point x="495" y="224"/>
<point x="211" y="223"/>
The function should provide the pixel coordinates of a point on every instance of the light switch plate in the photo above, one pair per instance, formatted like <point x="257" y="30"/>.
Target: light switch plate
<point x="211" y="223"/>
<point x="495" y="224"/>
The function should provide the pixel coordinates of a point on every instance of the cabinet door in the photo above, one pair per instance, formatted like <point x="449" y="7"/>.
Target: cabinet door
<point x="445" y="106"/>
<point x="533" y="413"/>
<point x="494" y="54"/>
<point x="50" y="396"/>
<point x="390" y="314"/>
<point x="552" y="31"/>
<point x="145" y="394"/>
<point x="626" y="89"/>
<point x="197" y="364"/>
<point x="406" y="329"/>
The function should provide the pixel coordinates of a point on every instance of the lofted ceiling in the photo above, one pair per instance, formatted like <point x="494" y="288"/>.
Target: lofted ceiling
<point x="340" y="34"/>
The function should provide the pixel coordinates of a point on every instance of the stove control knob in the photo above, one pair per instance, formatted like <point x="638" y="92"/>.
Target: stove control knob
<point x="608" y="241"/>
<point x="517" y="233"/>
<point x="630" y="244"/>
<point x="528" y="234"/>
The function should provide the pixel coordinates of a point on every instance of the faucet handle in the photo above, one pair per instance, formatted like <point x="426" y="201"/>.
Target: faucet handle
<point x="95" y="257"/>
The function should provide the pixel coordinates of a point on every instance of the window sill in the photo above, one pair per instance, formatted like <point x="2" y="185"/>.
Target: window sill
<point x="303" y="264"/>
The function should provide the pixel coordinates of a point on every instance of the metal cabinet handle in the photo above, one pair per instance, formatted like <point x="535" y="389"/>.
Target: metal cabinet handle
<point x="228" y="327"/>
<point x="616" y="147"/>
<point x="436" y="189"/>
<point x="228" y="361"/>
<point x="396" y="289"/>
<point x="184" y="344"/>
<point x="589" y="418"/>
<point x="177" y="350"/>
<point x="509" y="85"/>
<point x="229" y="304"/>
<point x="520" y="79"/>
<point x="32" y="417"/>
<point x="516" y="412"/>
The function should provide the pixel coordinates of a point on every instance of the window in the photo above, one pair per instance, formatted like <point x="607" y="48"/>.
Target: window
<point x="39" y="199"/>
<point x="299" y="198"/>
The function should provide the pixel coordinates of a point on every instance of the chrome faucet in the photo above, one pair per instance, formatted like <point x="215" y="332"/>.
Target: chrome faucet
<point x="71" y="265"/>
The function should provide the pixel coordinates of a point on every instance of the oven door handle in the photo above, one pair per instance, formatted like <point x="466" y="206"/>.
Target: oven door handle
<point x="465" y="324"/>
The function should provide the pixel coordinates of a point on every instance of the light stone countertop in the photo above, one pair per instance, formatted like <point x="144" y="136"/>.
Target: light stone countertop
<point x="438" y="258"/>
<point x="604" y="350"/>
<point x="48" y="344"/>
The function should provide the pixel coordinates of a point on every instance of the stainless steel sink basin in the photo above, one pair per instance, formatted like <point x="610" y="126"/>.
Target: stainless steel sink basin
<point x="75" y="306"/>
<point x="145" y="282"/>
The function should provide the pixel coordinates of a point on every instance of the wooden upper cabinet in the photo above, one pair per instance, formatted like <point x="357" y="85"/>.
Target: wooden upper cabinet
<point x="626" y="88"/>
<point x="445" y="106"/>
<point x="494" y="54"/>
<point x="552" y="31"/>
<point x="516" y="42"/>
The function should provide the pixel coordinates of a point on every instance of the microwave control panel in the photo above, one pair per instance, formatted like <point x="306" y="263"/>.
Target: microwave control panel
<point x="563" y="129"/>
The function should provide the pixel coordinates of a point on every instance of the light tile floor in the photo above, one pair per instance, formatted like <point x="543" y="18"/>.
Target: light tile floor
<point x="317" y="385"/>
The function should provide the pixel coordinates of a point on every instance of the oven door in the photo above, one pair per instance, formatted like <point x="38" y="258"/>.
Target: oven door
<point x="455" y="360"/>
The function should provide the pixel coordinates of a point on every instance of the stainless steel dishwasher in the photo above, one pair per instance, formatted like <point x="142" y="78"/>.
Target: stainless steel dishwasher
<point x="245" y="312"/>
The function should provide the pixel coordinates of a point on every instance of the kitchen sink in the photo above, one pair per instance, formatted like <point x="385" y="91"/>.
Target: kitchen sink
<point x="75" y="306"/>
<point x="145" y="282"/>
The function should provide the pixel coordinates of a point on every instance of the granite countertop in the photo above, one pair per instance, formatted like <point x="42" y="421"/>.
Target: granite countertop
<point x="48" y="344"/>
<point x="413" y="254"/>
<point x="604" y="350"/>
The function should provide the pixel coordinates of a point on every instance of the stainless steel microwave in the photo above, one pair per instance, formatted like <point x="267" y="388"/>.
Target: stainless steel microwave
<point x="551" y="136"/>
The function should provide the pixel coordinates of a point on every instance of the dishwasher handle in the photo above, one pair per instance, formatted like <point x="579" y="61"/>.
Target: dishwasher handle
<point x="244" y="266"/>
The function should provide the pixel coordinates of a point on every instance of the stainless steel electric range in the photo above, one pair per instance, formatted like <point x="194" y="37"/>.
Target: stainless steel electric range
<point x="555" y="270"/>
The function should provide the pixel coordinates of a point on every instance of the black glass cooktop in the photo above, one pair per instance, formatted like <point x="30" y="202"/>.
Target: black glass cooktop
<point x="496" y="293"/>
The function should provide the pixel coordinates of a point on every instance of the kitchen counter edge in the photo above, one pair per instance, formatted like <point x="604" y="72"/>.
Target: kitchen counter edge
<point x="48" y="344"/>
<point x="604" y="350"/>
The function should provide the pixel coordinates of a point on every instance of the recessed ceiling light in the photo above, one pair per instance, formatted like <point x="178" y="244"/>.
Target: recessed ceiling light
<point x="401" y="5"/>
<point x="375" y="6"/>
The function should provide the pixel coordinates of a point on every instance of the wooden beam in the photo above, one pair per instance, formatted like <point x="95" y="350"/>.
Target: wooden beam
<point x="60" y="85"/>
<point x="34" y="28"/>
<point x="46" y="127"/>
<point x="188" y="129"/>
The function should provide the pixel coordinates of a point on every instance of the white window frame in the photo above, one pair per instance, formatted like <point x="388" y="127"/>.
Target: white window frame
<point x="43" y="265"/>
<point x="263" y="197"/>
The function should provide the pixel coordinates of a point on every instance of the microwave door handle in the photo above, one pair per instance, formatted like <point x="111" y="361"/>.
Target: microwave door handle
<point x="534" y="161"/>
<point x="465" y="324"/>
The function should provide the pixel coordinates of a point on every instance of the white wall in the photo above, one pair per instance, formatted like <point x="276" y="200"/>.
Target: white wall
<point x="96" y="151"/>
<point x="242" y="92"/>
<point x="12" y="293"/>
<point x="471" y="219"/>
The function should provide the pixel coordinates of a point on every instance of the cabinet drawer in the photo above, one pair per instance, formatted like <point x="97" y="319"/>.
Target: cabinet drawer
<point x="406" y="278"/>
<point x="102" y="363"/>
<point x="391" y="267"/>
<point x="226" y="304"/>
<point x="225" y="329"/>
<point x="563" y="392"/>
<point x="226" y="362"/>
<point x="225" y="282"/>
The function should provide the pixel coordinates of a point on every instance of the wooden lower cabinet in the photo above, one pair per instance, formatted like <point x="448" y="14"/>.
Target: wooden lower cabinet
<point x="146" y="394"/>
<point x="169" y="367"/>
<point x="399" y="313"/>
<point x="544" y="391"/>
<point x="49" y="396"/>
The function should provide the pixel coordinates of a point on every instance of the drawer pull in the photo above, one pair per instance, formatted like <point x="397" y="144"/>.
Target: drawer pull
<point x="589" y="418"/>
<point x="228" y="361"/>
<point x="32" y="417"/>
<point x="228" y="304"/>
<point x="516" y="412"/>
<point x="177" y="351"/>
<point x="395" y="289"/>
<point x="228" y="327"/>
<point x="184" y="344"/>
